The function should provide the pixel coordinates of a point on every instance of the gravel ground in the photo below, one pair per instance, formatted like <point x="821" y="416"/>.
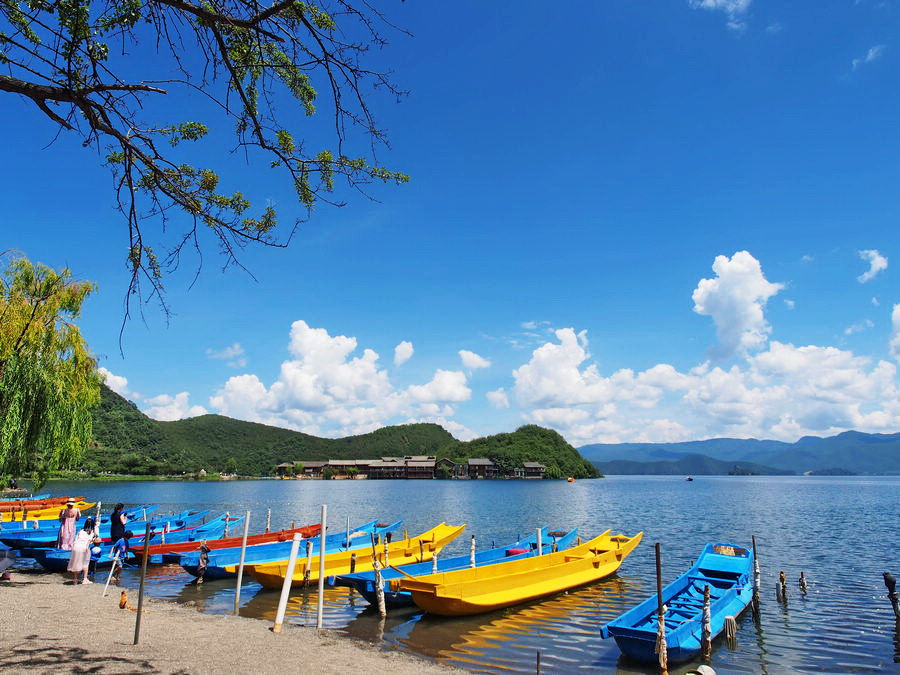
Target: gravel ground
<point x="49" y="625"/>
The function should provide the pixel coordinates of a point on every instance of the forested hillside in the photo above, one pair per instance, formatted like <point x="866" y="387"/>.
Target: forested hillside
<point x="529" y="443"/>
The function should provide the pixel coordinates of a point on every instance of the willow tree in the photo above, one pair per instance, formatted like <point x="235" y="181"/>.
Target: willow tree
<point x="94" y="67"/>
<point x="48" y="379"/>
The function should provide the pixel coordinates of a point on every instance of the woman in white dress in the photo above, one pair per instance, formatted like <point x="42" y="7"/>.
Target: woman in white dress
<point x="81" y="552"/>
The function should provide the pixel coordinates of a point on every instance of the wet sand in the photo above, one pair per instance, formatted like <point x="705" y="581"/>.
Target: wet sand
<point x="49" y="625"/>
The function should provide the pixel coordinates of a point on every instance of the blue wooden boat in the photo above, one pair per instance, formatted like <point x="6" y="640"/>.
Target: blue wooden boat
<point x="47" y="536"/>
<point x="32" y="498"/>
<point x="728" y="571"/>
<point x="526" y="547"/>
<point x="219" y="559"/>
<point x="56" y="560"/>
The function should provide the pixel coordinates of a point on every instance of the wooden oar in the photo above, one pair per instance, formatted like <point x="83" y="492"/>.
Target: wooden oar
<point x="397" y="569"/>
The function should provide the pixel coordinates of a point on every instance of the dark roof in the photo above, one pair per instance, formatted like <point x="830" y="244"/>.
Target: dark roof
<point x="313" y="465"/>
<point x="480" y="461"/>
<point x="533" y="465"/>
<point x="421" y="465"/>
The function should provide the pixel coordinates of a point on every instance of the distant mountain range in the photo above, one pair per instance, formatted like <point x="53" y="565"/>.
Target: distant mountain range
<point x="849" y="452"/>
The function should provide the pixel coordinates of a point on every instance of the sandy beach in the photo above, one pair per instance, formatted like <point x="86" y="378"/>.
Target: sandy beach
<point x="49" y="625"/>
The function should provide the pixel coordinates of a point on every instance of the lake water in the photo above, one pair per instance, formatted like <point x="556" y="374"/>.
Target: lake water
<point x="842" y="532"/>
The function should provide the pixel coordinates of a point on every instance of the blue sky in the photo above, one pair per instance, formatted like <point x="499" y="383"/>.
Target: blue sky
<point x="657" y="220"/>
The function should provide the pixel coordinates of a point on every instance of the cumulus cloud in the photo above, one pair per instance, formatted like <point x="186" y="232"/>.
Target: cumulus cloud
<point x="402" y="353"/>
<point x="734" y="10"/>
<point x="117" y="383"/>
<point x="790" y="304"/>
<point x="166" y="408"/>
<point x="445" y="386"/>
<point x="877" y="263"/>
<point x="498" y="398"/>
<point x="873" y="54"/>
<point x="782" y="392"/>
<point x="473" y="361"/>
<point x="895" y="333"/>
<point x="875" y="302"/>
<point x="233" y="354"/>
<point x="735" y="299"/>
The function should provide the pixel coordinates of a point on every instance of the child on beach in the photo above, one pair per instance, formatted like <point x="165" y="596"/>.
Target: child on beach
<point x="96" y="552"/>
<point x="120" y="548"/>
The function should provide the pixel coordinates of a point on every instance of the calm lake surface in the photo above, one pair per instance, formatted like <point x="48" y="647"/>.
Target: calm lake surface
<point x="842" y="532"/>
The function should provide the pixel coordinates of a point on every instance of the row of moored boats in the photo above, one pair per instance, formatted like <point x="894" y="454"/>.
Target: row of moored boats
<point x="411" y="570"/>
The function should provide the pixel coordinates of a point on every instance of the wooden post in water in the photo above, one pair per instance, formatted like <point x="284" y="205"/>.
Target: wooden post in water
<point x="140" y="607"/>
<point x="706" y="635"/>
<point x="307" y="568"/>
<point x="240" y="570"/>
<point x="661" y="628"/>
<point x="434" y="562"/>
<point x="347" y="540"/>
<point x="891" y="584"/>
<point x="321" y="604"/>
<point x="782" y="583"/>
<point x="756" y="580"/>
<point x="227" y="518"/>
<point x="803" y="586"/>
<point x="387" y="542"/>
<point x="286" y="586"/>
<point x="379" y="589"/>
<point x="538" y="663"/>
<point x="472" y="552"/>
<point x="540" y="546"/>
<point x="268" y="519"/>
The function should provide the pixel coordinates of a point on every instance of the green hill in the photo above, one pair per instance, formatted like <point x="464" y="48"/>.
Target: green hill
<point x="127" y="441"/>
<point x="529" y="443"/>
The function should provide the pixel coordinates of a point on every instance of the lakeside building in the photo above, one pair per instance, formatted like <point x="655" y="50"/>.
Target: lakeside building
<point x="409" y="467"/>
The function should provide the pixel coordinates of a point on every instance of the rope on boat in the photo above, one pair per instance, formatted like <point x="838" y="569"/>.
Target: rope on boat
<point x="706" y="637"/>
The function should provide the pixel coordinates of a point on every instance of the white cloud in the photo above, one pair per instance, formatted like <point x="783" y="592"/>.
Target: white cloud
<point x="735" y="300"/>
<point x="168" y="408"/>
<point x="402" y="353"/>
<point x="877" y="263"/>
<point x="875" y="301"/>
<point x="774" y="28"/>
<point x="807" y="258"/>
<point x="859" y="327"/>
<point x="734" y="10"/>
<point x="117" y="383"/>
<point x="473" y="361"/>
<point x="790" y="304"/>
<point x="498" y="398"/>
<point x="895" y="333"/>
<point x="873" y="54"/>
<point x="445" y="386"/>
<point x="233" y="354"/>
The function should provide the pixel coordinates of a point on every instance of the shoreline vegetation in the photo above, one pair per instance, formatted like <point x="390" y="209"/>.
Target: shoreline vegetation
<point x="50" y="625"/>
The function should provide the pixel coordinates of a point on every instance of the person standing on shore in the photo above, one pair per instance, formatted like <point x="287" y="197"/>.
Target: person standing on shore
<point x="67" y="518"/>
<point x="117" y="523"/>
<point x="80" y="559"/>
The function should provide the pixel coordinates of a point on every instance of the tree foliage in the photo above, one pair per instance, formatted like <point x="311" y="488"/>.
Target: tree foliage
<point x="48" y="379"/>
<point x="84" y="64"/>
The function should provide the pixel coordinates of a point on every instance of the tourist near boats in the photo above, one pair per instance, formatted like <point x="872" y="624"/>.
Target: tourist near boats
<point x="172" y="552"/>
<point x="222" y="563"/>
<point x="364" y="582"/>
<point x="726" y="569"/>
<point x="483" y="589"/>
<point x="398" y="552"/>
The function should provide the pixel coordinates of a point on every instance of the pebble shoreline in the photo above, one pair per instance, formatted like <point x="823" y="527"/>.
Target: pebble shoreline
<point x="49" y="625"/>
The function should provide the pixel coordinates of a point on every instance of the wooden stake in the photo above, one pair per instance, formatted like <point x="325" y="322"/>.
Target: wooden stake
<point x="538" y="663"/>
<point x="240" y="570"/>
<point x="286" y="586"/>
<point x="379" y="589"/>
<point x="268" y="519"/>
<point x="706" y="635"/>
<point x="540" y="546"/>
<point x="756" y="580"/>
<point x="661" y="629"/>
<point x="140" y="607"/>
<point x="321" y="604"/>
<point x="472" y="552"/>
<point x="891" y="584"/>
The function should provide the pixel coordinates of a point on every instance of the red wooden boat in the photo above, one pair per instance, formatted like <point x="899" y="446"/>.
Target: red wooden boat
<point x="253" y="539"/>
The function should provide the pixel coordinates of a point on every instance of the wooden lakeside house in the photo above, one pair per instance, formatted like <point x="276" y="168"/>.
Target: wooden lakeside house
<point x="421" y="469"/>
<point x="482" y="467"/>
<point x="450" y="468"/>
<point x="534" y="470"/>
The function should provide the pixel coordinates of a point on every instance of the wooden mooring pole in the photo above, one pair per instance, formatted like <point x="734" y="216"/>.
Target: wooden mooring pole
<point x="240" y="570"/>
<point x="756" y="580"/>
<point x="321" y="603"/>
<point x="140" y="607"/>
<point x="661" y="629"/>
<point x="891" y="583"/>
<point x="286" y="586"/>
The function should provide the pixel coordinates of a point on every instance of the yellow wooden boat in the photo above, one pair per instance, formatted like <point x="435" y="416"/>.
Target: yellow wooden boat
<point x="483" y="589"/>
<point x="49" y="513"/>
<point x="400" y="552"/>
